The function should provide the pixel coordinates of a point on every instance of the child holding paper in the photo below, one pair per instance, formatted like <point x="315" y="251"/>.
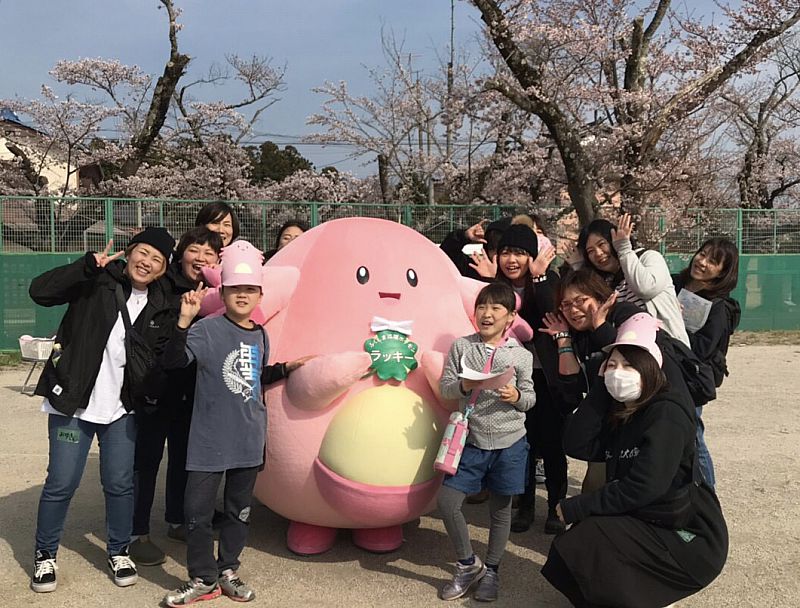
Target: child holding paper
<point x="496" y="453"/>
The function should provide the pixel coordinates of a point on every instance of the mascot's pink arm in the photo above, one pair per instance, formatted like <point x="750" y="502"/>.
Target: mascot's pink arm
<point x="316" y="384"/>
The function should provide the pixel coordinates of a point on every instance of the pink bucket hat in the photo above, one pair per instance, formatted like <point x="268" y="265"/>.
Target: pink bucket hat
<point x="640" y="330"/>
<point x="241" y="264"/>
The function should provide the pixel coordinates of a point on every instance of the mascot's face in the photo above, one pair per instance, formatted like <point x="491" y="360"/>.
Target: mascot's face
<point x="352" y="271"/>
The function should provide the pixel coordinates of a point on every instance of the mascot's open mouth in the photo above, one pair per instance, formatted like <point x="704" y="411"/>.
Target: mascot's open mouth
<point x="387" y="294"/>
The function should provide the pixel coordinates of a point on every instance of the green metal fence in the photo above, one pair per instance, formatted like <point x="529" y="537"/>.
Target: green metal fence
<point x="40" y="233"/>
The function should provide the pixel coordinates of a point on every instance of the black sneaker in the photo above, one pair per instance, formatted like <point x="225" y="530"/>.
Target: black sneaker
<point x="123" y="569"/>
<point x="44" y="572"/>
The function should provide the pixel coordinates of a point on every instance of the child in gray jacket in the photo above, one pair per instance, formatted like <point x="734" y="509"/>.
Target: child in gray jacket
<point x="496" y="453"/>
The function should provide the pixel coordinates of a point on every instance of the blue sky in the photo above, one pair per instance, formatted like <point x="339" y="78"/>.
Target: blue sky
<point x="318" y="40"/>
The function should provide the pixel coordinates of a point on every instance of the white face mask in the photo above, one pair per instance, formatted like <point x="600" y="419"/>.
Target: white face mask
<point x="623" y="385"/>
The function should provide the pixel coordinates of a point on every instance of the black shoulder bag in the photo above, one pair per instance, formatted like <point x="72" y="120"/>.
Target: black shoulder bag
<point x="140" y="359"/>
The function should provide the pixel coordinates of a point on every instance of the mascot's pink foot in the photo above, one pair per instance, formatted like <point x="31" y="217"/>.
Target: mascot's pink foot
<point x="379" y="540"/>
<point x="308" y="539"/>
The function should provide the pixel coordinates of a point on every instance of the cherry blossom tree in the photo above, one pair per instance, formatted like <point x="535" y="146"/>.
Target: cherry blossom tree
<point x="619" y="76"/>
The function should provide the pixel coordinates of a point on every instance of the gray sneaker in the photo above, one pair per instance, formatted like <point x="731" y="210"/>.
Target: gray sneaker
<point x="234" y="587"/>
<point x="193" y="591"/>
<point x="146" y="553"/>
<point x="463" y="579"/>
<point x="487" y="588"/>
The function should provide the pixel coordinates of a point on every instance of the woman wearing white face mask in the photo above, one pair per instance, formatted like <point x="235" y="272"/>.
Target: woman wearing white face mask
<point x="654" y="533"/>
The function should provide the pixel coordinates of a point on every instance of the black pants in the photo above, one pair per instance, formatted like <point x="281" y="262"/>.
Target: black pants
<point x="545" y="429"/>
<point x="170" y="425"/>
<point x="201" y="495"/>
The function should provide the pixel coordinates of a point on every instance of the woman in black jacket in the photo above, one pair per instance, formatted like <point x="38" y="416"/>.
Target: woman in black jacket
<point x="712" y="274"/>
<point x="169" y="421"/>
<point x="87" y="391"/>
<point x="654" y="533"/>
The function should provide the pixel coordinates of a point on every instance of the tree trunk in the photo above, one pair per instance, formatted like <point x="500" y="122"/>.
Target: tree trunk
<point x="162" y="95"/>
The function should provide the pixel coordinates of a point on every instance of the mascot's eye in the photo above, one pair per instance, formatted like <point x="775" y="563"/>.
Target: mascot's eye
<point x="362" y="274"/>
<point x="411" y="277"/>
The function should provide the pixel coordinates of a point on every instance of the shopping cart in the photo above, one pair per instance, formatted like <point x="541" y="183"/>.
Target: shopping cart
<point x="34" y="350"/>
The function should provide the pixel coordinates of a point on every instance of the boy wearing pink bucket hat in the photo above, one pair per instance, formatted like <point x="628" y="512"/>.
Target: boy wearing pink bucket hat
<point x="654" y="533"/>
<point x="229" y="423"/>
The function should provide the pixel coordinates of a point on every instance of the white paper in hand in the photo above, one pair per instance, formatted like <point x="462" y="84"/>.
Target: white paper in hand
<point x="488" y="381"/>
<point x="694" y="310"/>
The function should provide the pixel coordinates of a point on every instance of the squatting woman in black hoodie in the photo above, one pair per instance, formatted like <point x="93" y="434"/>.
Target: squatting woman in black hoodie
<point x="654" y="533"/>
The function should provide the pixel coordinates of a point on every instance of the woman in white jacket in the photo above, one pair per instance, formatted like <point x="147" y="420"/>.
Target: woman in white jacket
<point x="639" y="276"/>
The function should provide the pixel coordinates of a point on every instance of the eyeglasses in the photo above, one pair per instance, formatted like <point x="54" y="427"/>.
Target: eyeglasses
<point x="576" y="303"/>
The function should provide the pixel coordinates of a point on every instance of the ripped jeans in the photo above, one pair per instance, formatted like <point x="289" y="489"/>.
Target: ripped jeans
<point x="201" y="496"/>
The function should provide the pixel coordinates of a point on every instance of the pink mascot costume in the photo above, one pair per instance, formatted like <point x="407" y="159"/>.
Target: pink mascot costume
<point x="352" y="434"/>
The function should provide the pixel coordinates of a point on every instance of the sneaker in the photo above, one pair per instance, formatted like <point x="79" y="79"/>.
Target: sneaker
<point x="463" y="579"/>
<point x="487" y="588"/>
<point x="123" y="569"/>
<point x="192" y="591"/>
<point x="539" y="471"/>
<point x="44" y="572"/>
<point x="234" y="587"/>
<point x="177" y="532"/>
<point x="146" y="553"/>
<point x="553" y="525"/>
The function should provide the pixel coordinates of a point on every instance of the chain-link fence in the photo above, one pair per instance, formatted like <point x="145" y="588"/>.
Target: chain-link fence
<point x="54" y="225"/>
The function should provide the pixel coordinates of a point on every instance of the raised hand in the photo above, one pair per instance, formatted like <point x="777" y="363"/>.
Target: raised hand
<point x="572" y="255"/>
<point x="103" y="259"/>
<point x="483" y="265"/>
<point x="476" y="234"/>
<point x="600" y="314"/>
<point x="190" y="305"/>
<point x="541" y="263"/>
<point x="624" y="229"/>
<point x="553" y="323"/>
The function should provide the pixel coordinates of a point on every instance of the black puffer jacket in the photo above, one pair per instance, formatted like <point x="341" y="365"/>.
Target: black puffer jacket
<point x="83" y="333"/>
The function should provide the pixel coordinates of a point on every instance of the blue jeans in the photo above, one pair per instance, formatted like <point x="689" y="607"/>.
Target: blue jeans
<point x="703" y="455"/>
<point x="70" y="440"/>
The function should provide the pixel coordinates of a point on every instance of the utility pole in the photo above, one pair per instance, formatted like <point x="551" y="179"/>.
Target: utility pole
<point x="449" y="136"/>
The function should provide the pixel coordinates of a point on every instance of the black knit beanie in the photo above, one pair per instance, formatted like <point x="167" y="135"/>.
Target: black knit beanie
<point x="520" y="236"/>
<point x="156" y="237"/>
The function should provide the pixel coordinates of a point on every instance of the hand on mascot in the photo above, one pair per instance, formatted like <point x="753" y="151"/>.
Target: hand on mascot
<point x="190" y="305"/>
<point x="293" y="365"/>
<point x="509" y="393"/>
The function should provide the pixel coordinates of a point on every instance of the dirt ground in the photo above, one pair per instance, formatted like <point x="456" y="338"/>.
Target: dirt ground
<point x="752" y="432"/>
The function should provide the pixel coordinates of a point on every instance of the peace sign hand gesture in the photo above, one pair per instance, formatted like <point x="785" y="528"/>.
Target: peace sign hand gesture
<point x="624" y="229"/>
<point x="190" y="305"/>
<point x="103" y="259"/>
